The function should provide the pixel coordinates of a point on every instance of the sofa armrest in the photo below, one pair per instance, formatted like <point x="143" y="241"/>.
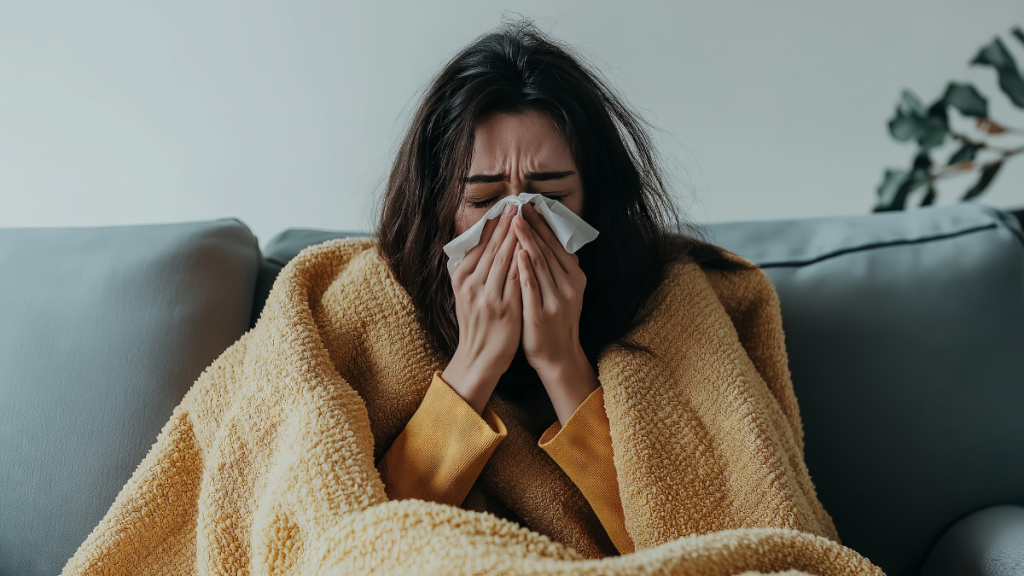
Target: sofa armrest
<point x="989" y="542"/>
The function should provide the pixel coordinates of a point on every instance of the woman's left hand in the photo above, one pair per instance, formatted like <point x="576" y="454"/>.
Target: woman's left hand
<point x="552" y="285"/>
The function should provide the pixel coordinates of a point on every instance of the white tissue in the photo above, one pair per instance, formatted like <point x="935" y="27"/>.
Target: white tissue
<point x="572" y="231"/>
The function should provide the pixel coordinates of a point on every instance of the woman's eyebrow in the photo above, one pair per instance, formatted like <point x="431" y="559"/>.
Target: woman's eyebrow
<point x="542" y="176"/>
<point x="485" y="178"/>
<point x="532" y="176"/>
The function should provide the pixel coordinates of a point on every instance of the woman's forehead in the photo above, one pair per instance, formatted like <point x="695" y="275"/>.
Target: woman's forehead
<point x="524" y="141"/>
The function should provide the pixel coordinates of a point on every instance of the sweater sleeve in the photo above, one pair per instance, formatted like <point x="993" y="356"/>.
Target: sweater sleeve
<point x="583" y="449"/>
<point x="442" y="450"/>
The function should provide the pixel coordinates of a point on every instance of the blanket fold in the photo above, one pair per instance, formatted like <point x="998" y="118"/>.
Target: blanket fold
<point x="268" y="464"/>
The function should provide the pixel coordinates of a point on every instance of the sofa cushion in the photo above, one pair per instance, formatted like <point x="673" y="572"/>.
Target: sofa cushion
<point x="989" y="542"/>
<point x="102" y="331"/>
<point x="905" y="334"/>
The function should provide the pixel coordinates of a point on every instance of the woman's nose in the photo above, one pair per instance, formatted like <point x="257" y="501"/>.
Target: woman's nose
<point x="517" y="184"/>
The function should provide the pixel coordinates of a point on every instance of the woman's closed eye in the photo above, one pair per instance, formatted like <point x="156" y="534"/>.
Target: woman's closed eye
<point x="484" y="203"/>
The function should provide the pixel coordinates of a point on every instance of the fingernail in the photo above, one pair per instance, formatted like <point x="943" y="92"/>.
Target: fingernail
<point x="509" y="210"/>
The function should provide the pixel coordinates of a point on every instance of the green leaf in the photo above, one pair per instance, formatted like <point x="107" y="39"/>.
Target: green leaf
<point x="966" y="99"/>
<point x="905" y="128"/>
<point x="1013" y="86"/>
<point x="932" y="134"/>
<point x="995" y="55"/>
<point x="935" y="127"/>
<point x="1018" y="33"/>
<point x="909" y="121"/>
<point x="912" y="121"/>
<point x="966" y="153"/>
<point x="897" y="185"/>
<point x="910" y="104"/>
<point x="1010" y="81"/>
<point x="891" y="182"/>
<point x="929" y="197"/>
<point x="987" y="175"/>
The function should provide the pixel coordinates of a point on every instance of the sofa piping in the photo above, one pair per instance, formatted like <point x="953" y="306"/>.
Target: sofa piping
<point x="885" y="244"/>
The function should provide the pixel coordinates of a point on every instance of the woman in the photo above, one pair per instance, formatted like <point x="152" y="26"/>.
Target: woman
<point x="531" y="410"/>
<point x="516" y="113"/>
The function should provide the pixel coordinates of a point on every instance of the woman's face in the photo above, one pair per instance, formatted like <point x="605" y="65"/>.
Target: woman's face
<point x="515" y="154"/>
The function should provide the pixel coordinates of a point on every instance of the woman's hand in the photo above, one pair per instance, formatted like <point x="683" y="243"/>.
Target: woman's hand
<point x="552" y="284"/>
<point x="489" y="309"/>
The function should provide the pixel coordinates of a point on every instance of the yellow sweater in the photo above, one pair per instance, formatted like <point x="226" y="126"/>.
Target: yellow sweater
<point x="442" y="450"/>
<point x="267" y="466"/>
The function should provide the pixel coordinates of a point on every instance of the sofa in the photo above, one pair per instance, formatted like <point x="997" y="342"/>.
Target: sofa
<point x="905" y="334"/>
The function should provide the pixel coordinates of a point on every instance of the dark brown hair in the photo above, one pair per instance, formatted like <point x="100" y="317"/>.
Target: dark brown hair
<point x="511" y="70"/>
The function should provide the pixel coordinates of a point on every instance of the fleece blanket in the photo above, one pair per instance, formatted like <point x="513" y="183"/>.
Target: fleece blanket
<point x="267" y="465"/>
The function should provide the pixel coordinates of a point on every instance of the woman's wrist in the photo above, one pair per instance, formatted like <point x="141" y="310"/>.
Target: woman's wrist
<point x="569" y="383"/>
<point x="473" y="381"/>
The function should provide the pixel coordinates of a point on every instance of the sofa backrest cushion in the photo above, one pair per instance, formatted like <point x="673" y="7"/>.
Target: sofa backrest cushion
<point x="289" y="243"/>
<point x="905" y="334"/>
<point x="102" y="331"/>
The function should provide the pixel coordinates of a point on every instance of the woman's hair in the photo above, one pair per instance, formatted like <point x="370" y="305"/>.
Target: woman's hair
<point x="517" y="69"/>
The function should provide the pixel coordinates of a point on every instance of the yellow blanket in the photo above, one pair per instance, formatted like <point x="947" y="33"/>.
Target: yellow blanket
<point x="267" y="465"/>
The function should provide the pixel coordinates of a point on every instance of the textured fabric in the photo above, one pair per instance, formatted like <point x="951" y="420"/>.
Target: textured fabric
<point x="267" y="465"/>
<point x="102" y="331"/>
<point x="583" y="448"/>
<point x="905" y="333"/>
<point x="441" y="451"/>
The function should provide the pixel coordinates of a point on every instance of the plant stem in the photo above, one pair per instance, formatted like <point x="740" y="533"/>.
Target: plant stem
<point x="947" y="171"/>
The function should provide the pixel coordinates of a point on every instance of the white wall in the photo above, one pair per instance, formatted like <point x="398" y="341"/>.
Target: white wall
<point x="285" y="114"/>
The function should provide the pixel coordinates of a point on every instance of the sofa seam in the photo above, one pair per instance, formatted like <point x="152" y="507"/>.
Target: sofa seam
<point x="883" y="244"/>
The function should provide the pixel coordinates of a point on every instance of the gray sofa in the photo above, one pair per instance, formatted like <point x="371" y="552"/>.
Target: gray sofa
<point x="905" y="333"/>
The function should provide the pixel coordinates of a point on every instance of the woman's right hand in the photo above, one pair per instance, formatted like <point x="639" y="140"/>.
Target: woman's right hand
<point x="489" y="309"/>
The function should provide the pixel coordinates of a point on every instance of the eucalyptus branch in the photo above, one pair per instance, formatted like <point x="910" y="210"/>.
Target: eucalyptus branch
<point x="929" y="127"/>
<point x="981" y="144"/>
<point x="962" y="167"/>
